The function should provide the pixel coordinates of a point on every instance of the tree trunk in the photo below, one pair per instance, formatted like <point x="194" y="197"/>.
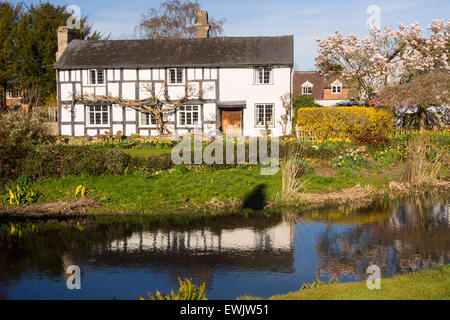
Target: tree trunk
<point x="3" y="107"/>
<point x="422" y="114"/>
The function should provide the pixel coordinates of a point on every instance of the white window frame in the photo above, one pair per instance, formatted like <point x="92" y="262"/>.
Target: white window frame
<point x="182" y="110"/>
<point x="265" y="105"/>
<point x="307" y="85"/>
<point x="262" y="81"/>
<point x="8" y="94"/>
<point x="150" y="123"/>
<point x="88" y="116"/>
<point x="95" y="82"/>
<point x="336" y="87"/>
<point x="169" y="78"/>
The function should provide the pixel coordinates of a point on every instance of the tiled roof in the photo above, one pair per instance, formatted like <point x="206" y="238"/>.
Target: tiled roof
<point x="212" y="52"/>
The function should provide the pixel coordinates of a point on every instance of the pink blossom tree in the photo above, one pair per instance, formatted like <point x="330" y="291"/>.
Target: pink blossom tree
<point x="386" y="57"/>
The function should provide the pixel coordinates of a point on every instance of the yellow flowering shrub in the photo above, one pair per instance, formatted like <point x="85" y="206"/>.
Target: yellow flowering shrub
<point x="344" y="122"/>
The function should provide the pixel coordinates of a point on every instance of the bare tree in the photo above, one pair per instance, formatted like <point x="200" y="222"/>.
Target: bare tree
<point x="286" y="101"/>
<point x="159" y="105"/>
<point x="174" y="20"/>
<point x="32" y="95"/>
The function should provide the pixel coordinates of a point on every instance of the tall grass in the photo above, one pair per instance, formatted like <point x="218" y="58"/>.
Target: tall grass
<point x="425" y="160"/>
<point x="292" y="168"/>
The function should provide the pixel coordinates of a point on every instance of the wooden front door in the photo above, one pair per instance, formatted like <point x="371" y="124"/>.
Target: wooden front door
<point x="232" y="122"/>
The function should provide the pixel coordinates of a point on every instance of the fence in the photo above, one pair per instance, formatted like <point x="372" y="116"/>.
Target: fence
<point x="305" y="135"/>
<point x="49" y="114"/>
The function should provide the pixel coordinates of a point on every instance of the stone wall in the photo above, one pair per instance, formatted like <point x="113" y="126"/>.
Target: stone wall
<point x="437" y="117"/>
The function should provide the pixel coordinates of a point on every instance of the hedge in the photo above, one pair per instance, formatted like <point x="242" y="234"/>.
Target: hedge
<point x="344" y="122"/>
<point x="63" y="160"/>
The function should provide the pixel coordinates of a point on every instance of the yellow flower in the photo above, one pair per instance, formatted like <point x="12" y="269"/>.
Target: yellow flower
<point x="11" y="197"/>
<point x="80" y="190"/>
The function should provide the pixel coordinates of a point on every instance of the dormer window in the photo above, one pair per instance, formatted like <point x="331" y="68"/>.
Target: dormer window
<point x="96" y="76"/>
<point x="336" y="87"/>
<point x="263" y="75"/>
<point x="307" y="88"/>
<point x="175" y="76"/>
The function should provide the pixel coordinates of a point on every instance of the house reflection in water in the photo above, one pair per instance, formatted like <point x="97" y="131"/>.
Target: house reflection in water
<point x="198" y="253"/>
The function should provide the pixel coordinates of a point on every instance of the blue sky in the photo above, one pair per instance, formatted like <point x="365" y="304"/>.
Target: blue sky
<point x="306" y="20"/>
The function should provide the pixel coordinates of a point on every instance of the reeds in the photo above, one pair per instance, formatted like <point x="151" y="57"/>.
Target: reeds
<point x="292" y="169"/>
<point x="425" y="160"/>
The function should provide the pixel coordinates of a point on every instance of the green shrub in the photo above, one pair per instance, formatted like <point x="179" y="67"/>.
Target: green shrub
<point x="149" y="165"/>
<point x="64" y="160"/>
<point x="9" y="157"/>
<point x="20" y="128"/>
<point x="303" y="101"/>
<point x="21" y="191"/>
<point x="187" y="291"/>
<point x="372" y="139"/>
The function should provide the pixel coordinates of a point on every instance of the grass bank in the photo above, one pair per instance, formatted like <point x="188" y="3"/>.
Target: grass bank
<point x="433" y="284"/>
<point x="184" y="190"/>
<point x="143" y="180"/>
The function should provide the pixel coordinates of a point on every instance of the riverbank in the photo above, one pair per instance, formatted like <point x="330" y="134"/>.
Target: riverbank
<point x="105" y="178"/>
<point x="189" y="191"/>
<point x="433" y="284"/>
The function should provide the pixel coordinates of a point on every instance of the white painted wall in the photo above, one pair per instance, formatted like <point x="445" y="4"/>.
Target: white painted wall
<point x="79" y="113"/>
<point x="113" y="89"/>
<point x="100" y="91"/>
<point x="237" y="85"/>
<point x="130" y="114"/>
<point x="176" y="92"/>
<point x="117" y="128"/>
<point x="66" y="91"/>
<point x="129" y="74"/>
<point x="66" y="114"/>
<point x="117" y="113"/>
<point x="66" y="130"/>
<point x="129" y="90"/>
<point x="145" y="74"/>
<point x="78" y="130"/>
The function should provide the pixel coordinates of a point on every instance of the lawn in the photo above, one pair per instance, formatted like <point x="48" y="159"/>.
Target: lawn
<point x="186" y="189"/>
<point x="431" y="284"/>
<point x="167" y="191"/>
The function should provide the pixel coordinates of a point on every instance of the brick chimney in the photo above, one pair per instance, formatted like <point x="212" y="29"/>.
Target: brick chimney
<point x="65" y="36"/>
<point x="201" y="26"/>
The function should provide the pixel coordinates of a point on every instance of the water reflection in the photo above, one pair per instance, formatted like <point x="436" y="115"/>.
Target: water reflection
<point x="414" y="236"/>
<point x="260" y="255"/>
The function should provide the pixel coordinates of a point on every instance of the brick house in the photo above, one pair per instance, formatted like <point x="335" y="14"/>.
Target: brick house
<point x="13" y="97"/>
<point x="328" y="90"/>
